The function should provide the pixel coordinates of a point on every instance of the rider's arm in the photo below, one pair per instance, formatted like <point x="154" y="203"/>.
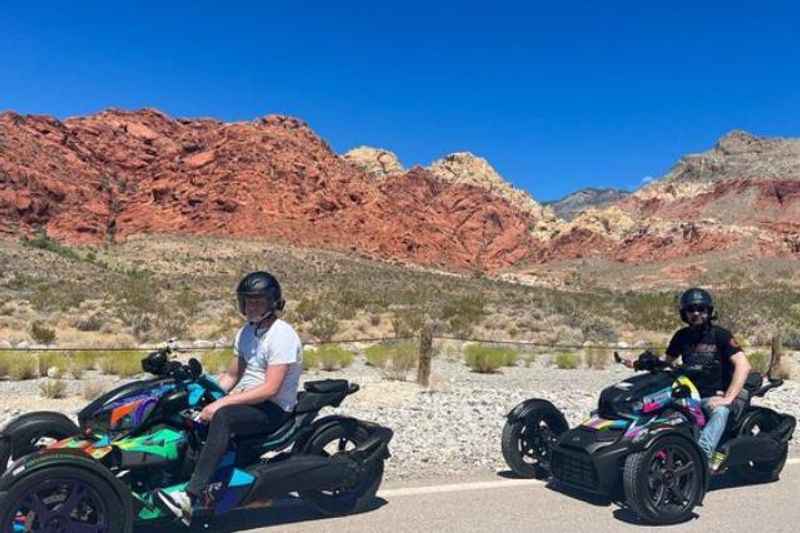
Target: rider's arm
<point x="270" y="387"/>
<point x="232" y="374"/>
<point x="741" y="369"/>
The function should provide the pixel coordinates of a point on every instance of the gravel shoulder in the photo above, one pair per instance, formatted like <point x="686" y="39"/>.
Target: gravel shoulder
<point x="451" y="430"/>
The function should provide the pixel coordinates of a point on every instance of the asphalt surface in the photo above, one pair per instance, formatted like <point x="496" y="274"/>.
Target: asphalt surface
<point x="496" y="503"/>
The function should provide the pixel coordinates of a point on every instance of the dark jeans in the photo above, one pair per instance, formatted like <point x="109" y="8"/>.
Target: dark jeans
<point x="232" y="419"/>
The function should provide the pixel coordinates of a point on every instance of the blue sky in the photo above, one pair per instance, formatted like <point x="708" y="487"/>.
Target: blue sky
<point x="556" y="98"/>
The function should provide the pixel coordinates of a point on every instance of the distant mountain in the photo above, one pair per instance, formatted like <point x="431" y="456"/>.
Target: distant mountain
<point x="572" y="204"/>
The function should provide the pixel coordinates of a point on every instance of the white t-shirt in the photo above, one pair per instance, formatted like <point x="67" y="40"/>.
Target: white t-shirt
<point x="278" y="346"/>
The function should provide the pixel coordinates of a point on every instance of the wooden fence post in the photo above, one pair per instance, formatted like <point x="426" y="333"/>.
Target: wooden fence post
<point x="777" y="353"/>
<point x="425" y="353"/>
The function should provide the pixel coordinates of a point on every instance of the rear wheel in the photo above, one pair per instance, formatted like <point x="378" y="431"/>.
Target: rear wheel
<point x="664" y="483"/>
<point x="32" y="432"/>
<point x="337" y="439"/>
<point x="62" y="499"/>
<point x="760" y="471"/>
<point x="527" y="442"/>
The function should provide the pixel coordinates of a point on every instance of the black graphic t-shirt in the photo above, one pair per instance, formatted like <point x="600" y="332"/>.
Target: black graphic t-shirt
<point x="711" y="347"/>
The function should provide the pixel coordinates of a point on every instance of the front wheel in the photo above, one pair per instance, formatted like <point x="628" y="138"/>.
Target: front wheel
<point x="528" y="442"/>
<point x="335" y="439"/>
<point x="665" y="482"/>
<point x="62" y="498"/>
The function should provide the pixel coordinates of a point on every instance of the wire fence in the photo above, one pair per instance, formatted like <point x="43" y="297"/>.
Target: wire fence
<point x="312" y="342"/>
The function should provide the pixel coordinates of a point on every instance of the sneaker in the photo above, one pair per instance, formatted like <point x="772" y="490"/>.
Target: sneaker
<point x="179" y="502"/>
<point x="716" y="462"/>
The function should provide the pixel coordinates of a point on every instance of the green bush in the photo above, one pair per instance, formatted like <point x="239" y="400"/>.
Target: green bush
<point x="307" y="310"/>
<point x="122" y="364"/>
<point x="463" y="313"/>
<point x="48" y="360"/>
<point x="333" y="357"/>
<point x="43" y="242"/>
<point x="41" y="333"/>
<point x="53" y="388"/>
<point x="403" y="356"/>
<point x="84" y="360"/>
<point x="6" y="359"/>
<point x="216" y="361"/>
<point x="760" y="361"/>
<point x="567" y="361"/>
<point x="24" y="366"/>
<point x="378" y="355"/>
<point x="310" y="359"/>
<point x="487" y="359"/>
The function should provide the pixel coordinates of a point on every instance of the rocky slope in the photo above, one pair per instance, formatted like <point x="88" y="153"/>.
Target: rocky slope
<point x="115" y="174"/>
<point x="107" y="176"/>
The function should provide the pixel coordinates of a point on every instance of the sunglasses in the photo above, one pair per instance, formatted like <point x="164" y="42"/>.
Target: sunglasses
<point x="697" y="309"/>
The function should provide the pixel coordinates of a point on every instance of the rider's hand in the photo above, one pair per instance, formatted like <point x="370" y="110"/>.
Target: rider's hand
<point x="718" y="401"/>
<point x="208" y="411"/>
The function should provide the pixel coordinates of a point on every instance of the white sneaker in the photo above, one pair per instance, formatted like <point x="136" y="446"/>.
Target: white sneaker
<point x="179" y="503"/>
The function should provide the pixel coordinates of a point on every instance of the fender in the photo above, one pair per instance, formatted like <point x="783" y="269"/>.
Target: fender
<point x="523" y="409"/>
<point x="321" y="425"/>
<point x="658" y="432"/>
<point x="71" y="457"/>
<point x="19" y="422"/>
<point x="784" y="424"/>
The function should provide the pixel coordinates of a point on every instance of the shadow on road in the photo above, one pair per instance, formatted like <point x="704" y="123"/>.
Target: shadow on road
<point x="285" y="511"/>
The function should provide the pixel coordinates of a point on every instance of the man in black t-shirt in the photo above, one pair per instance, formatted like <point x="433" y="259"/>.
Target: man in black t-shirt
<point x="725" y="367"/>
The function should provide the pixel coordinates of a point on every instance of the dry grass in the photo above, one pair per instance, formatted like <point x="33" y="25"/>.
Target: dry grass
<point x="24" y="366"/>
<point x="92" y="390"/>
<point x="53" y="388"/>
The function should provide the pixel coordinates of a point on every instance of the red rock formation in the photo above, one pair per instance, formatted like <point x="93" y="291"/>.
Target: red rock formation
<point x="115" y="174"/>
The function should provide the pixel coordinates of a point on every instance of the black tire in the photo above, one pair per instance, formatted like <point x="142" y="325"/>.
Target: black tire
<point x="527" y="442"/>
<point x="336" y="439"/>
<point x="70" y="495"/>
<point x="24" y="434"/>
<point x="665" y="482"/>
<point x="760" y="471"/>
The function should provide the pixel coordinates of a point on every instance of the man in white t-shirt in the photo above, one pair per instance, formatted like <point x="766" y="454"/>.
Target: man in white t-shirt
<point x="262" y="381"/>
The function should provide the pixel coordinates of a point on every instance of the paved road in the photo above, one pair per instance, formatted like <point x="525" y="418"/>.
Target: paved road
<point x="492" y="503"/>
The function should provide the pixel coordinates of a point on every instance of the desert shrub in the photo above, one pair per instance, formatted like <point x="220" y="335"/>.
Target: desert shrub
<point x="122" y="364"/>
<point x="403" y="356"/>
<point x="7" y="310"/>
<point x="463" y="313"/>
<point x="6" y="359"/>
<point x="487" y="359"/>
<point x="375" y="320"/>
<point x="760" y="361"/>
<point x="324" y="327"/>
<point x="216" y="361"/>
<point x="24" y="366"/>
<point x="83" y="360"/>
<point x="597" y="358"/>
<point x="91" y="322"/>
<point x="310" y="359"/>
<point x="529" y="358"/>
<point x="378" y="355"/>
<point x="43" y="242"/>
<point x="53" y="388"/>
<point x="92" y="390"/>
<point x="307" y="310"/>
<point x="332" y="357"/>
<point x="41" y="333"/>
<point x="566" y="360"/>
<point x="48" y="360"/>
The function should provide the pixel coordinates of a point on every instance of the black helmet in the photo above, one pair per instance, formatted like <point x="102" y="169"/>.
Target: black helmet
<point x="261" y="284"/>
<point x="696" y="296"/>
